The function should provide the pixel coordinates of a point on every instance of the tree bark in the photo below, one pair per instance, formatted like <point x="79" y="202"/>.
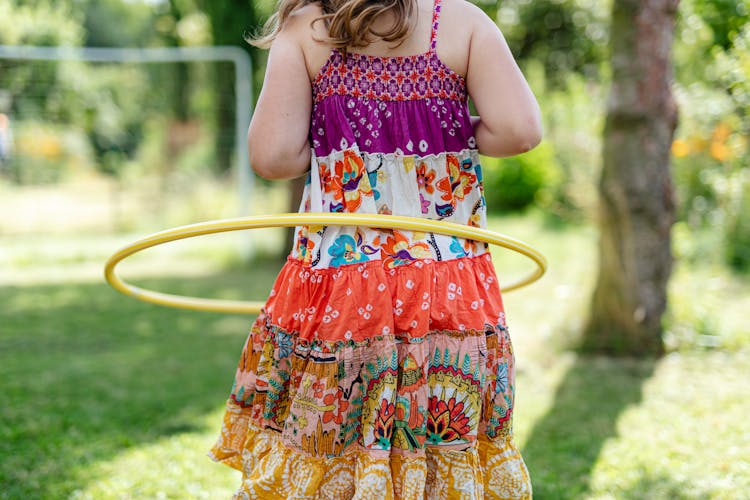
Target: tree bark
<point x="230" y="19"/>
<point x="636" y="197"/>
<point x="180" y="95"/>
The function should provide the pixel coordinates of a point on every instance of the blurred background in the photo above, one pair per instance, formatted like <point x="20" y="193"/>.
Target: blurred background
<point x="102" y="396"/>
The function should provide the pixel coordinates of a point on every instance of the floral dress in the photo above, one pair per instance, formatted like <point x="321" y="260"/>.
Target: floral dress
<point x="381" y="365"/>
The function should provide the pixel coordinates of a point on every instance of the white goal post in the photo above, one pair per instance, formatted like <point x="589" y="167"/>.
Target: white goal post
<point x="235" y="55"/>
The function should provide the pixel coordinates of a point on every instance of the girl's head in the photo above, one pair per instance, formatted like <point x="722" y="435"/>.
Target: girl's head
<point x="348" y="22"/>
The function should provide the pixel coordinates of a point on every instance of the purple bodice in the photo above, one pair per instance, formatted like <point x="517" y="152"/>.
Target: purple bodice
<point x="429" y="125"/>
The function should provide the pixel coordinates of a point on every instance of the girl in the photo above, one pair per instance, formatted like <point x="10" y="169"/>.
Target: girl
<point x="381" y="365"/>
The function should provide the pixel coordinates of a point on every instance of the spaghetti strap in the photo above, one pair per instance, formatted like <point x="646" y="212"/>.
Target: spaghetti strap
<point x="435" y="23"/>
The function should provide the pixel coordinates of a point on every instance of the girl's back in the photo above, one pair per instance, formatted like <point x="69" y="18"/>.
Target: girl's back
<point x="381" y="365"/>
<point x="467" y="42"/>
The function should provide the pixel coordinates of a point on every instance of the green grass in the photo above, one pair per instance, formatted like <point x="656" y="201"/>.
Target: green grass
<point x="92" y="379"/>
<point x="102" y="396"/>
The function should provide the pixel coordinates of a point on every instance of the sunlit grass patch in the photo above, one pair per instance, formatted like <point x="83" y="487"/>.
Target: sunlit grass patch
<point x="173" y="466"/>
<point x="707" y="309"/>
<point x="687" y="438"/>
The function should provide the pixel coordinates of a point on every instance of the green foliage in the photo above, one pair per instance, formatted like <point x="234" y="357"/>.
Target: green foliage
<point x="725" y="18"/>
<point x="707" y="300"/>
<point x="732" y="70"/>
<point x="564" y="35"/>
<point x="66" y="93"/>
<point x="559" y="174"/>
<point x="737" y="233"/>
<point x="573" y="123"/>
<point x="711" y="164"/>
<point x="229" y="20"/>
<point x="114" y="23"/>
<point x="107" y="103"/>
<point x="43" y="22"/>
<point x="705" y="151"/>
<point x="110" y="103"/>
<point x="29" y="84"/>
<point x="42" y="155"/>
<point x="561" y="46"/>
<point x="517" y="182"/>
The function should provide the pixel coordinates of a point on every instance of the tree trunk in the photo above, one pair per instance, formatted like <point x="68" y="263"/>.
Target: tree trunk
<point x="225" y="118"/>
<point x="180" y="95"/>
<point x="230" y="19"/>
<point x="635" y="189"/>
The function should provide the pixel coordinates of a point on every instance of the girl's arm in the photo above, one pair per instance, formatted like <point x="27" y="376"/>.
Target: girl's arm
<point x="277" y="139"/>
<point x="509" y="120"/>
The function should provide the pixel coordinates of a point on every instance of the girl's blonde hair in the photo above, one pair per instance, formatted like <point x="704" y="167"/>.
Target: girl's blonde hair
<point x="349" y="22"/>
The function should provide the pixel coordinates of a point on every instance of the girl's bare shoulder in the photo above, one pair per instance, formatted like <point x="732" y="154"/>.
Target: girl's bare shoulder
<point x="300" y="22"/>
<point x="309" y="35"/>
<point x="463" y="18"/>
<point x="459" y="21"/>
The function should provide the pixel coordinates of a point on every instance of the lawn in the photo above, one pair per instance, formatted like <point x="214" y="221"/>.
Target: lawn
<point x="102" y="396"/>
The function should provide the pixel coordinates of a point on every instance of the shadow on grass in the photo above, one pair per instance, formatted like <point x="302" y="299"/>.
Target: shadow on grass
<point x="564" y="445"/>
<point x="86" y="373"/>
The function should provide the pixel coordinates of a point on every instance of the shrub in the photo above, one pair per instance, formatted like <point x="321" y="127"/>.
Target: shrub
<point x="512" y="184"/>
<point x="737" y="232"/>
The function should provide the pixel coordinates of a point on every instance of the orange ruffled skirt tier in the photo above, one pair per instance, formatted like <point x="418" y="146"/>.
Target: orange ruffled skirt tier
<point x="367" y="382"/>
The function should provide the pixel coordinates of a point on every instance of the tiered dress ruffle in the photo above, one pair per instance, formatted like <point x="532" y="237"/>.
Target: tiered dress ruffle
<point x="334" y="399"/>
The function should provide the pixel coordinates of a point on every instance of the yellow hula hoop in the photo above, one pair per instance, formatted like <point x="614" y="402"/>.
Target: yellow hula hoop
<point x="301" y="219"/>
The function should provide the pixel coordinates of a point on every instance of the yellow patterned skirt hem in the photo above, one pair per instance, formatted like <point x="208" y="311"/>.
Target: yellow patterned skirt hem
<point x="493" y="469"/>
